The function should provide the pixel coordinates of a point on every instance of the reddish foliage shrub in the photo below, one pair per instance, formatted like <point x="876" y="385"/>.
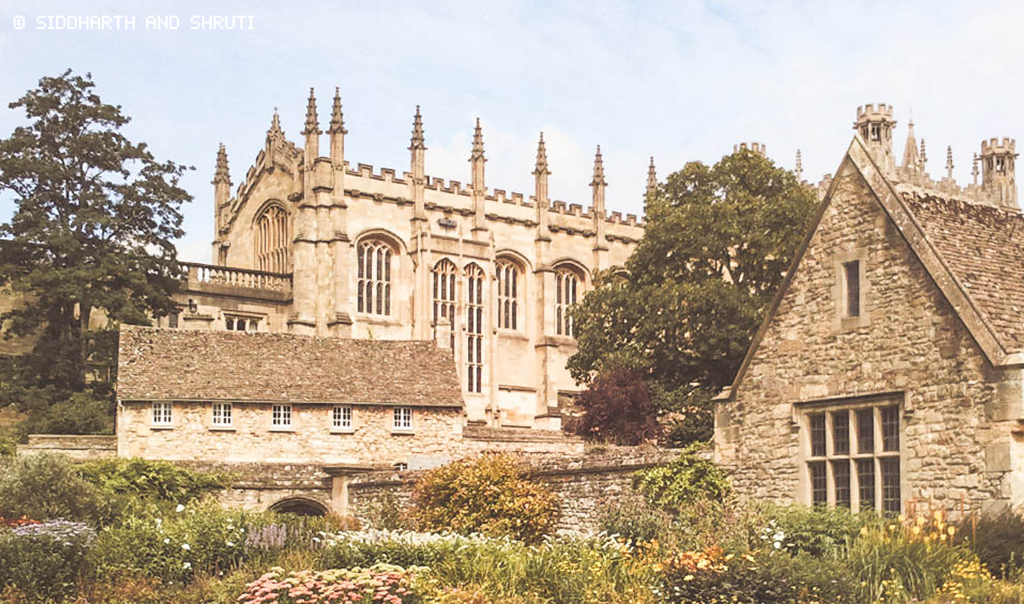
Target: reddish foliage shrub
<point x="617" y="408"/>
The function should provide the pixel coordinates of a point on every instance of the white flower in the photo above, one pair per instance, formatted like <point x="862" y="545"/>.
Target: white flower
<point x="777" y="545"/>
<point x="159" y="521"/>
<point x="230" y="544"/>
<point x="167" y="540"/>
<point x="180" y="508"/>
<point x="186" y="546"/>
<point x="187" y="565"/>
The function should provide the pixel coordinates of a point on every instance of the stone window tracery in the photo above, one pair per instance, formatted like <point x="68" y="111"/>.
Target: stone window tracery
<point x="508" y="294"/>
<point x="474" y="327"/>
<point x="567" y="284"/>
<point x="374" y="278"/>
<point x="853" y="456"/>
<point x="272" y="240"/>
<point x="444" y="291"/>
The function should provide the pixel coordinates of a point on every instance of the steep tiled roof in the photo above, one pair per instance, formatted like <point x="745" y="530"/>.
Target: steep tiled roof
<point x="174" y="364"/>
<point x="983" y="246"/>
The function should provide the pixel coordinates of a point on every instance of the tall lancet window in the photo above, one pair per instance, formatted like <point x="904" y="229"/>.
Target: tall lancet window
<point x="567" y="284"/>
<point x="474" y="327"/>
<point x="444" y="292"/>
<point x="272" y="240"/>
<point x="374" y="278"/>
<point x="508" y="295"/>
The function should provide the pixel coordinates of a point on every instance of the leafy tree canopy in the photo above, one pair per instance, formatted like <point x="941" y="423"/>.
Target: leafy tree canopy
<point x="716" y="247"/>
<point x="93" y="230"/>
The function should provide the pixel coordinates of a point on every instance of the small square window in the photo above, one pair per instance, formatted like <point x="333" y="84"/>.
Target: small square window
<point x="222" y="414"/>
<point x="162" y="414"/>
<point x="403" y="418"/>
<point x="851" y="271"/>
<point x="341" y="418"/>
<point x="281" y="416"/>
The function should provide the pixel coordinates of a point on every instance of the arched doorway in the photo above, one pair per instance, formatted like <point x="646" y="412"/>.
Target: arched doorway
<point x="299" y="506"/>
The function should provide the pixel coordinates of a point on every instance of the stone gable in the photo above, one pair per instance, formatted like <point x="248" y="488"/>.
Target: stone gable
<point x="909" y="347"/>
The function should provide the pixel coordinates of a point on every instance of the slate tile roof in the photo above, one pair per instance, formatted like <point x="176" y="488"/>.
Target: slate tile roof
<point x="983" y="246"/>
<point x="178" y="364"/>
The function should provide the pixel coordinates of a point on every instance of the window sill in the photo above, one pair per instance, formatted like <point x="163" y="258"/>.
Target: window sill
<point x="282" y="429"/>
<point x="343" y="430"/>
<point x="222" y="428"/>
<point x="402" y="432"/>
<point x="161" y="427"/>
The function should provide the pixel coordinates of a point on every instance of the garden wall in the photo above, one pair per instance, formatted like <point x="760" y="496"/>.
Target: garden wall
<point x="76" y="447"/>
<point x="582" y="484"/>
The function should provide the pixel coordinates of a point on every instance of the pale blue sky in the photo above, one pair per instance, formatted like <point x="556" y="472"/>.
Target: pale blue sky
<point x="677" y="80"/>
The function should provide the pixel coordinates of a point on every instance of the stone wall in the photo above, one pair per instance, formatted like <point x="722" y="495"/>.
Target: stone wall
<point x="76" y="447"/>
<point x="582" y="484"/>
<point x="908" y="345"/>
<point x="436" y="434"/>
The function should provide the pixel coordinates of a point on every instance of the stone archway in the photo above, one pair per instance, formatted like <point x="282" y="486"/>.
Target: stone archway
<point x="300" y="506"/>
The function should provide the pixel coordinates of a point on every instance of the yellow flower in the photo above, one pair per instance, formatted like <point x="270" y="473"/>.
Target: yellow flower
<point x="688" y="578"/>
<point x="951" y="531"/>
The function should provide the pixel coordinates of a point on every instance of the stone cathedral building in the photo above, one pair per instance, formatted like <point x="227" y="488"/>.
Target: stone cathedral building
<point x="888" y="371"/>
<point x="313" y="244"/>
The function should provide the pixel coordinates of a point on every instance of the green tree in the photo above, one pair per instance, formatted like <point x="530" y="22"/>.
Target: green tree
<point x="715" y="250"/>
<point x="93" y="231"/>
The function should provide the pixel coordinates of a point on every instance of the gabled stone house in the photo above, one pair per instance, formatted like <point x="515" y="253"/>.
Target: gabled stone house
<point x="888" y="370"/>
<point x="221" y="396"/>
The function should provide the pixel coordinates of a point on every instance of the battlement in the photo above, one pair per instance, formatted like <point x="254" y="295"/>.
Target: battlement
<point x="871" y="113"/>
<point x="754" y="147"/>
<point x="995" y="146"/>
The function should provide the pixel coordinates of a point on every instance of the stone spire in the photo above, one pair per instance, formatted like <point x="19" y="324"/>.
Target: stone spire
<point x="540" y="181"/>
<point x="275" y="126"/>
<point x="311" y="131"/>
<point x="337" y="131"/>
<point x="541" y="168"/>
<point x="598" y="183"/>
<point x="337" y="120"/>
<point x="974" y="168"/>
<point x="949" y="162"/>
<point x="911" y="161"/>
<point x="312" y="124"/>
<point x="598" y="179"/>
<point x="478" y="143"/>
<point x="652" y="179"/>
<point x="924" y="157"/>
<point x="477" y="161"/>
<point x="417" y="141"/>
<point x="418" y="149"/>
<point x="799" y="171"/>
<point x="221" y="174"/>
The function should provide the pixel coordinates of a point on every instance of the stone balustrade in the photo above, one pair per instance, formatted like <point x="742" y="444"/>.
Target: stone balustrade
<point x="202" y="274"/>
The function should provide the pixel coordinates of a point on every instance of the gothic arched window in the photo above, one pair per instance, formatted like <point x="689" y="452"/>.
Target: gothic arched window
<point x="474" y="327"/>
<point x="444" y="291"/>
<point x="509" y="276"/>
<point x="567" y="284"/>
<point x="374" y="278"/>
<point x="272" y="240"/>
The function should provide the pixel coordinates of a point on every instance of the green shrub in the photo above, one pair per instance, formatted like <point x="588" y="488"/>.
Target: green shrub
<point x="818" y="531"/>
<point x="148" y="479"/>
<point x="46" y="486"/>
<point x="711" y="576"/>
<point x="998" y="540"/>
<point x="488" y="494"/>
<point x="44" y="561"/>
<point x="636" y="522"/>
<point x="894" y="562"/>
<point x="688" y="478"/>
